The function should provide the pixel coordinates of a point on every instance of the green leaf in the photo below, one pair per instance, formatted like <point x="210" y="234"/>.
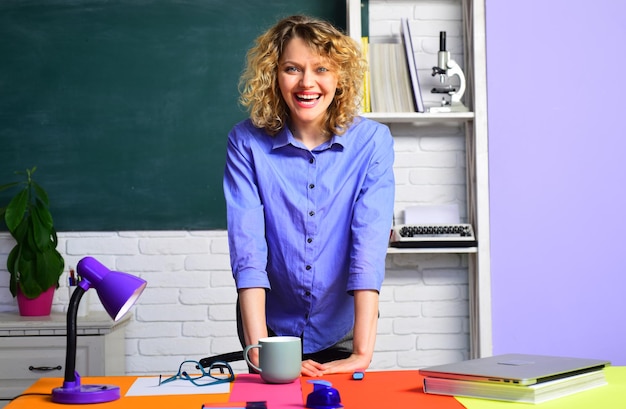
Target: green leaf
<point x="28" y="241"/>
<point x="12" y="267"/>
<point x="41" y="193"/>
<point x="30" y="288"/>
<point x="25" y="266"/>
<point x="49" y="267"/>
<point x="16" y="209"/>
<point x="8" y="186"/>
<point x="42" y="224"/>
<point x="20" y="233"/>
<point x="13" y="285"/>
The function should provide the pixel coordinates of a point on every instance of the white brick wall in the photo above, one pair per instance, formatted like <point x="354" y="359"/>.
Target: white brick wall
<point x="188" y="307"/>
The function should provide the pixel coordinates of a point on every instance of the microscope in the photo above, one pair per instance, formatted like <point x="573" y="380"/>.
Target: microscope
<point x="447" y="68"/>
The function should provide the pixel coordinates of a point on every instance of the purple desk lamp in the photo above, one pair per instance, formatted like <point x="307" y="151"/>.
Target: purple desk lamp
<point x="117" y="292"/>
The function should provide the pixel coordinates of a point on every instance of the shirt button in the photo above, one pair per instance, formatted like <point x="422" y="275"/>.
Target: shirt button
<point x="308" y="293"/>
<point x="309" y="240"/>
<point x="311" y="213"/>
<point x="311" y="186"/>
<point x="311" y="160"/>
<point x="308" y="268"/>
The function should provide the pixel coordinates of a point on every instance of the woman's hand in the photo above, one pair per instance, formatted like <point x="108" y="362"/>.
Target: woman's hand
<point x="312" y="368"/>
<point x="348" y="365"/>
<point x="366" y="320"/>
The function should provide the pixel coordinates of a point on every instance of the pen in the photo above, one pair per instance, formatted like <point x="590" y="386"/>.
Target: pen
<point x="236" y="405"/>
<point x="72" y="277"/>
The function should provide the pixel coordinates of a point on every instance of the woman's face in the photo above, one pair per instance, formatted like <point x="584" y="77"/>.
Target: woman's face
<point x="307" y="83"/>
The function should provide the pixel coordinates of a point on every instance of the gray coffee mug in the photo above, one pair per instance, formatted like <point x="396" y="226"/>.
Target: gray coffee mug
<point x="280" y="358"/>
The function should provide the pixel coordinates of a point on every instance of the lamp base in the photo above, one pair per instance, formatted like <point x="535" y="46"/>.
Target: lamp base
<point x="86" y="394"/>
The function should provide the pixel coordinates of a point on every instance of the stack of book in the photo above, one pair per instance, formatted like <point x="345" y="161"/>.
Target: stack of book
<point x="537" y="393"/>
<point x="389" y="78"/>
<point x="392" y="84"/>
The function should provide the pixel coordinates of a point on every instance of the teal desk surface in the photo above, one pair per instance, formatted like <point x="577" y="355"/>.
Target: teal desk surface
<point x="384" y="389"/>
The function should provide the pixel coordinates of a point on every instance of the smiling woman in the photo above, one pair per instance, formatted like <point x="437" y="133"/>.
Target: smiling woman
<point x="308" y="88"/>
<point x="334" y="51"/>
<point x="309" y="191"/>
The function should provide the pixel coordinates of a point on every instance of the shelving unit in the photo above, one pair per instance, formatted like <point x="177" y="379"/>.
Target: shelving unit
<point x="475" y="128"/>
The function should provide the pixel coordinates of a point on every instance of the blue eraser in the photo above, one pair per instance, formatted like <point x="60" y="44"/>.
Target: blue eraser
<point x="358" y="375"/>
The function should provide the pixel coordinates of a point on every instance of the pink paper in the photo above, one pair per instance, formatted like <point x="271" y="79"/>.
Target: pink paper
<point x="250" y="387"/>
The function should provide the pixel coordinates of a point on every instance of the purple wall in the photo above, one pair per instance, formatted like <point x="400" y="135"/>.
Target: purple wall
<point x="557" y="151"/>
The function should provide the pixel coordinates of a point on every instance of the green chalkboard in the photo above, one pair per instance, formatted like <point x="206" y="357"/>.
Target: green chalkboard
<point x="125" y="106"/>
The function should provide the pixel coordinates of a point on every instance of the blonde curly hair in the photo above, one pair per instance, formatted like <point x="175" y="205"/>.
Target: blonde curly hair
<point x="258" y="85"/>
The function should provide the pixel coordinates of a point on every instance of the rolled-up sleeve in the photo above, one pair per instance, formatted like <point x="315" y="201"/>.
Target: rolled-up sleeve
<point x="373" y="216"/>
<point x="245" y="215"/>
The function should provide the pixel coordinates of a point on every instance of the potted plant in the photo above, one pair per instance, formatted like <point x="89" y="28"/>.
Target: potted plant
<point x="34" y="263"/>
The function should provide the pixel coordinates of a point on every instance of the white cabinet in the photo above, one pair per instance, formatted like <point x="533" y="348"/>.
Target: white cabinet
<point x="34" y="347"/>
<point x="474" y="124"/>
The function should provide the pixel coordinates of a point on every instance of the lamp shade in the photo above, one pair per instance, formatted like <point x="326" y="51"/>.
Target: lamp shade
<point x="117" y="291"/>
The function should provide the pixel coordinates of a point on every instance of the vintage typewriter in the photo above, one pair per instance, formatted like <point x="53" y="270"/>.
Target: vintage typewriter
<point x="432" y="235"/>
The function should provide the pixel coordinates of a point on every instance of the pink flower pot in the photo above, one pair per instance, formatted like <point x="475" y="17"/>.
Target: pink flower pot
<point x="35" y="307"/>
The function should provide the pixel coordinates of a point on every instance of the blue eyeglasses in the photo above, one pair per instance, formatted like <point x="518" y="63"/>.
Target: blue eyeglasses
<point x="192" y="371"/>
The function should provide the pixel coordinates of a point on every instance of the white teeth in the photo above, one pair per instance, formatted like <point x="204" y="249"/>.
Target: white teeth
<point x="308" y="96"/>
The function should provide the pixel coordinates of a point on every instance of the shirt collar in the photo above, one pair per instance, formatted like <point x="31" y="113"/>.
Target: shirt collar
<point x="285" y="137"/>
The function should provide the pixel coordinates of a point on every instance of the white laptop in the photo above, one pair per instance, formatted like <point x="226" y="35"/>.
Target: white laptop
<point x="516" y="369"/>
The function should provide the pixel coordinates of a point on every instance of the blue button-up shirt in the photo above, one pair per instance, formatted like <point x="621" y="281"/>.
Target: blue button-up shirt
<point x="311" y="226"/>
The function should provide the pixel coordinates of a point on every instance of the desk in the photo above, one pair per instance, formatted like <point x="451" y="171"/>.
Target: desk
<point x="393" y="389"/>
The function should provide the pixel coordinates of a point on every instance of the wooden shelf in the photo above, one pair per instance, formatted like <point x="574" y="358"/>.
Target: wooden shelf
<point x="418" y="117"/>
<point x="430" y="250"/>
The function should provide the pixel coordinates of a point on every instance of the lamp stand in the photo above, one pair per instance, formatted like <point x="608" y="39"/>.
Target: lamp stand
<point x="72" y="391"/>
